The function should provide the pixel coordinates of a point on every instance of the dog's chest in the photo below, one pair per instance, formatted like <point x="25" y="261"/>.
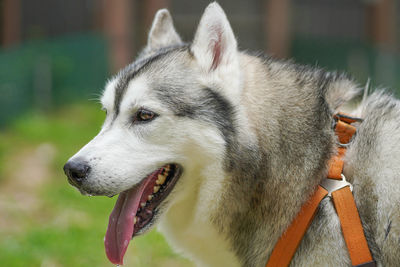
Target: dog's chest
<point x="193" y="235"/>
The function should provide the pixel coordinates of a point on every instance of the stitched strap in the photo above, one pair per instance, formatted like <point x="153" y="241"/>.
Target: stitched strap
<point x="351" y="227"/>
<point x="290" y="240"/>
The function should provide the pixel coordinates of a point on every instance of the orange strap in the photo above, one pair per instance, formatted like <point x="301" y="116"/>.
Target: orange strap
<point x="345" y="206"/>
<point x="344" y="131"/>
<point x="336" y="165"/>
<point x="350" y="222"/>
<point x="290" y="240"/>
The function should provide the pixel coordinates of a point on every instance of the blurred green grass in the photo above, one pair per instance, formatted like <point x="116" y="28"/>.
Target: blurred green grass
<point x="43" y="220"/>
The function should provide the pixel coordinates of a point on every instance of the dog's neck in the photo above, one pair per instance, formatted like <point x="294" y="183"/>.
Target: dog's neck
<point x="274" y="176"/>
<point x="269" y="179"/>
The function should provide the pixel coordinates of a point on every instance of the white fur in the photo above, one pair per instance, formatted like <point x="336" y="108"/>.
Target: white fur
<point x="107" y="100"/>
<point x="118" y="139"/>
<point x="186" y="224"/>
<point x="130" y="153"/>
<point x="191" y="143"/>
<point x="121" y="155"/>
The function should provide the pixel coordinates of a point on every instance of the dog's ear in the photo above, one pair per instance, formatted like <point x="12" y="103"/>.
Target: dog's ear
<point x="214" y="44"/>
<point x="162" y="32"/>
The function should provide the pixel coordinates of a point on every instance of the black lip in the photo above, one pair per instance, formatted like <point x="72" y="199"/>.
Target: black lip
<point x="153" y="206"/>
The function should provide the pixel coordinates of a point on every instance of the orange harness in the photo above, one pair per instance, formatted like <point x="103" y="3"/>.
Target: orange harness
<point x="335" y="186"/>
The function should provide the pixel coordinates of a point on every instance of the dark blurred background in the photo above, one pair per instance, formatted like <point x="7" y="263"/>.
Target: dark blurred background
<point x="55" y="57"/>
<point x="56" y="51"/>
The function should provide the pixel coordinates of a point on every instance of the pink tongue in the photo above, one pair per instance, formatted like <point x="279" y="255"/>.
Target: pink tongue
<point x="120" y="225"/>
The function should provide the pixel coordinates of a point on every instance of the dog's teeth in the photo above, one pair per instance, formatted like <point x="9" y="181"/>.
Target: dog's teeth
<point x="156" y="188"/>
<point x="143" y="204"/>
<point x="135" y="220"/>
<point x="150" y="197"/>
<point x="161" y="179"/>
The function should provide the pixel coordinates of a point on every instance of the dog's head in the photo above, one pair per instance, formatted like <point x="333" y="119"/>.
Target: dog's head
<point x="169" y="115"/>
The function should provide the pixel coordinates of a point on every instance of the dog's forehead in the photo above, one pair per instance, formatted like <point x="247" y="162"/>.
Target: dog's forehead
<point x="154" y="72"/>
<point x="137" y="93"/>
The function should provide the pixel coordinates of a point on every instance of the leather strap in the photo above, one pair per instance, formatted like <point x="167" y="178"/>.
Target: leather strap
<point x="344" y="131"/>
<point x="344" y="203"/>
<point x="336" y="164"/>
<point x="290" y="240"/>
<point x="350" y="222"/>
<point x="343" y="199"/>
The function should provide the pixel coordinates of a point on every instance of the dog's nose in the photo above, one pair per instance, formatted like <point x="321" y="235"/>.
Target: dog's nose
<point x="77" y="171"/>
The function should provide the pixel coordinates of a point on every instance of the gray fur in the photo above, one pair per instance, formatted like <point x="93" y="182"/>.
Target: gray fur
<point x="162" y="34"/>
<point x="293" y="122"/>
<point x="292" y="118"/>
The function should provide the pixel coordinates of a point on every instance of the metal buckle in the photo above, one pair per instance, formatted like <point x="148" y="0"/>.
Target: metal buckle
<point x="344" y="145"/>
<point x="332" y="185"/>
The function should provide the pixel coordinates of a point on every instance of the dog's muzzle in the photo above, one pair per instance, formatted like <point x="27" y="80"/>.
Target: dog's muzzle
<point x="77" y="171"/>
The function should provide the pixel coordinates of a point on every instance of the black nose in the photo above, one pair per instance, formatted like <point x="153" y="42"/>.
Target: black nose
<point x="77" y="171"/>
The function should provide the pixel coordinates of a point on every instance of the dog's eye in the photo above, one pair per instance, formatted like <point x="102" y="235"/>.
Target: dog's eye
<point x="143" y="115"/>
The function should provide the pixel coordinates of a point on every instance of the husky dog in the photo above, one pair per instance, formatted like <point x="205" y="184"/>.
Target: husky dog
<point x="220" y="149"/>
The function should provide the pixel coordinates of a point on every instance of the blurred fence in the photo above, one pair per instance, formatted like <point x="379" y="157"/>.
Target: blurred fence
<point x="360" y="37"/>
<point x="360" y="59"/>
<point x="46" y="73"/>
